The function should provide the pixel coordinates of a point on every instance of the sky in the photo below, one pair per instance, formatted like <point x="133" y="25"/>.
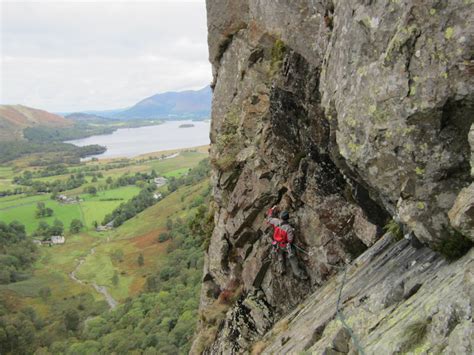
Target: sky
<point x="65" y="56"/>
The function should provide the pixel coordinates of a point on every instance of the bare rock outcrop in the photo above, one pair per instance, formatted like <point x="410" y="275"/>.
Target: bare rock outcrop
<point x="348" y="114"/>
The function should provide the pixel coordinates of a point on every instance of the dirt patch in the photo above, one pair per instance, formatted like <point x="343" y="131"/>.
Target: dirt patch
<point x="147" y="239"/>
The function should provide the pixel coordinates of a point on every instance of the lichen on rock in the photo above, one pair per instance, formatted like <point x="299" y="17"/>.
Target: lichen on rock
<point x="347" y="114"/>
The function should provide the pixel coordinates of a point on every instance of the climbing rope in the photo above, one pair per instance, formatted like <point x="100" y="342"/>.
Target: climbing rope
<point x="339" y="313"/>
<point x="342" y="318"/>
<point x="303" y="251"/>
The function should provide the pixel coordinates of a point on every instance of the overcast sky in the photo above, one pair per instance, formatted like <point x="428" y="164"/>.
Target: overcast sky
<point x="71" y="56"/>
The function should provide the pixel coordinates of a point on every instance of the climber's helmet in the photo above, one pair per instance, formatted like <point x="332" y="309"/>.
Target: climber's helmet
<point x="284" y="215"/>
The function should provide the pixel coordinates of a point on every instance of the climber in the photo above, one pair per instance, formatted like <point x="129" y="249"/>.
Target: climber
<point x="283" y="236"/>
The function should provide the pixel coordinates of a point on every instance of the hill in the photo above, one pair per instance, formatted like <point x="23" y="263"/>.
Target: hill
<point x="148" y="269"/>
<point x="168" y="105"/>
<point x="87" y="117"/>
<point x="14" y="118"/>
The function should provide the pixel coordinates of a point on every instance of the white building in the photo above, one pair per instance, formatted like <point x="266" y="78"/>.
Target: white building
<point x="160" y="181"/>
<point x="58" y="239"/>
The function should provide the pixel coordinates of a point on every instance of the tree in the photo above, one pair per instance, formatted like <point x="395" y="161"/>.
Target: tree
<point x="109" y="180"/>
<point x="43" y="229"/>
<point x="140" y="260"/>
<point x="117" y="255"/>
<point x="169" y="224"/>
<point x="43" y="211"/>
<point x="71" y="319"/>
<point x="115" y="279"/>
<point x="75" y="226"/>
<point x="57" y="228"/>
<point x="92" y="190"/>
<point x="44" y="293"/>
<point x="163" y="237"/>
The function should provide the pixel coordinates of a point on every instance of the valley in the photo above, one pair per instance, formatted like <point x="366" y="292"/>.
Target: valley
<point x="69" y="286"/>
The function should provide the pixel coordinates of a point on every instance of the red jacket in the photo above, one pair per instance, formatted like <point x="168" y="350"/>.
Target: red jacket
<point x="283" y="233"/>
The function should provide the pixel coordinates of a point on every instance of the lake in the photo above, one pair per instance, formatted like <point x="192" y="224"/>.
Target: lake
<point x="130" y="142"/>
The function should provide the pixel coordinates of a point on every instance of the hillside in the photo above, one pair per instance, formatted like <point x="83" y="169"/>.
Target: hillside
<point x="87" y="117"/>
<point x="14" y="118"/>
<point x="357" y="118"/>
<point x="82" y="297"/>
<point x="171" y="105"/>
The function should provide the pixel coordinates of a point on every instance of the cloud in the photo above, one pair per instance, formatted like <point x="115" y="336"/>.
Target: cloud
<point x="67" y="56"/>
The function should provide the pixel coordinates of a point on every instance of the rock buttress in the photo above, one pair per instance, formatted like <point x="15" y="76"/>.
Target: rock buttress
<point x="345" y="113"/>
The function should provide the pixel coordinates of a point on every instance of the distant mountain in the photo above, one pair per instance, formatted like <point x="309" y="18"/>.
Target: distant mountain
<point x="171" y="105"/>
<point x="106" y="113"/>
<point x="88" y="118"/>
<point x="14" y="118"/>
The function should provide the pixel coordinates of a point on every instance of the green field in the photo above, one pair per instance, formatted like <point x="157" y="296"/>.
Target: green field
<point x="137" y="235"/>
<point x="134" y="236"/>
<point x="6" y="175"/>
<point x="184" y="160"/>
<point x="108" y="259"/>
<point x="93" y="209"/>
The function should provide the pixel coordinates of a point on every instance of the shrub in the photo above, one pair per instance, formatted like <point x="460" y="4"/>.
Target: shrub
<point x="454" y="246"/>
<point x="229" y="142"/>
<point x="394" y="229"/>
<point x="231" y="293"/>
<point x="205" y="339"/>
<point x="75" y="226"/>
<point x="163" y="237"/>
<point x="278" y="53"/>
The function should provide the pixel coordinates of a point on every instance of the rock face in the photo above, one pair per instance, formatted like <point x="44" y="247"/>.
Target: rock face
<point x="347" y="114"/>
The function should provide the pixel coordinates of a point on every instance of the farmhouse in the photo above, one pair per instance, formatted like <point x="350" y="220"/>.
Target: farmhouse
<point x="54" y="240"/>
<point x="106" y="227"/>
<point x="160" y="181"/>
<point x="66" y="199"/>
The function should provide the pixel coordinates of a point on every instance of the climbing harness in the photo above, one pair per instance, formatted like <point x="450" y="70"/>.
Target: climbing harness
<point x="342" y="318"/>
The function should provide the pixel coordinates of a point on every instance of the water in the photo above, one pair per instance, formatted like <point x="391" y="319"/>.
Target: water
<point x="130" y="142"/>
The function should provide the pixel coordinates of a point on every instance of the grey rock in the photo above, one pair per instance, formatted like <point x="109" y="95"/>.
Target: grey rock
<point x="346" y="114"/>
<point x="461" y="214"/>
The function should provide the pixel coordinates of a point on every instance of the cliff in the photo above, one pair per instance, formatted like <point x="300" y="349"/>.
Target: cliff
<point x="356" y="117"/>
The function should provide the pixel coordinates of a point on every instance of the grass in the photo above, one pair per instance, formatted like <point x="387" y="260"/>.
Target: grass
<point x="23" y="208"/>
<point x="135" y="236"/>
<point x="25" y="213"/>
<point x="17" y="200"/>
<point x="6" y="172"/>
<point x="415" y="334"/>
<point x="94" y="208"/>
<point x="176" y="173"/>
<point x="51" y="270"/>
<point x="6" y="175"/>
<point x="154" y="218"/>
<point x="394" y="229"/>
<point x="184" y="160"/>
